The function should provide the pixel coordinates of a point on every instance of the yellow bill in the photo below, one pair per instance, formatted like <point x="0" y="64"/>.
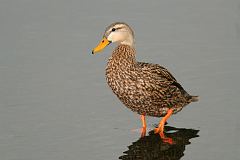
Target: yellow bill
<point x="104" y="42"/>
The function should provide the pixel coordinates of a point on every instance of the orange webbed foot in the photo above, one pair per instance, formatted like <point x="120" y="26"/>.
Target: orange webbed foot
<point x="160" y="128"/>
<point x="166" y="139"/>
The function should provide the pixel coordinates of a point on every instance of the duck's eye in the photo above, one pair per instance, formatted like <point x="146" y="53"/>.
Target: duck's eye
<point x="114" y="29"/>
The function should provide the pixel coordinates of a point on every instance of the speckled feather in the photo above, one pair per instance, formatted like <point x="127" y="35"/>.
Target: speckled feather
<point x="145" y="88"/>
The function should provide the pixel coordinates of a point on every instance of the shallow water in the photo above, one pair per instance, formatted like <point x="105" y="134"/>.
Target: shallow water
<point x="54" y="100"/>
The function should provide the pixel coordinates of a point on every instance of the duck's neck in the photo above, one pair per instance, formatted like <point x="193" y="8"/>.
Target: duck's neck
<point x="128" y="41"/>
<point x="124" y="55"/>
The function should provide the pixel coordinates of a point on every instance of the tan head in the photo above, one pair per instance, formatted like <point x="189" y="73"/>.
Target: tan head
<point x="117" y="32"/>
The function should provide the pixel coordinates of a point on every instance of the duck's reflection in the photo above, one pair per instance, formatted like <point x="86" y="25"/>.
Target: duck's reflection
<point x="151" y="147"/>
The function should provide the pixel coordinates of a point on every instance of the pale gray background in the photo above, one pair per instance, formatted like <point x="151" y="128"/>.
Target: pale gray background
<point x="56" y="105"/>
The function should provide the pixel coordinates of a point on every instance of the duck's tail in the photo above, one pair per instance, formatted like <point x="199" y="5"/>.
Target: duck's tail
<point x="189" y="97"/>
<point x="194" y="98"/>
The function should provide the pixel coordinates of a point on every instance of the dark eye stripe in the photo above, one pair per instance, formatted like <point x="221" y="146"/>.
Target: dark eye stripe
<point x="114" y="29"/>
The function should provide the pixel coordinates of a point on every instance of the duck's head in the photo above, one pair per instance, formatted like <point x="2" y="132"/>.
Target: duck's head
<point x="119" y="32"/>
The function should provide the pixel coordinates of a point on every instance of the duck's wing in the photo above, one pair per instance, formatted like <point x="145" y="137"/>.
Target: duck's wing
<point x="156" y="70"/>
<point x="160" y="73"/>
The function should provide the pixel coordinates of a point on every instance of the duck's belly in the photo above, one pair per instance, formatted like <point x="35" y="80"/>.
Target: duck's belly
<point x="144" y="103"/>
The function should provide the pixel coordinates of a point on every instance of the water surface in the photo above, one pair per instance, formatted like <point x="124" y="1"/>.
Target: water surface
<point x="54" y="100"/>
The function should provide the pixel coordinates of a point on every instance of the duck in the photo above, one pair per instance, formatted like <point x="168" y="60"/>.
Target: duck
<point x="145" y="88"/>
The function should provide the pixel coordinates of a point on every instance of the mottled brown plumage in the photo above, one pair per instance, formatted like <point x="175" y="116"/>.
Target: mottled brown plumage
<point x="145" y="88"/>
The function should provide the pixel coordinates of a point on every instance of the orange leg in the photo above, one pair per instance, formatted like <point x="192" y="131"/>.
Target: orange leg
<point x="144" y="126"/>
<point x="160" y="128"/>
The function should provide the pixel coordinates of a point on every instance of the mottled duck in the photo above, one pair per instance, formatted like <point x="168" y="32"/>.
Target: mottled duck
<point x="145" y="88"/>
